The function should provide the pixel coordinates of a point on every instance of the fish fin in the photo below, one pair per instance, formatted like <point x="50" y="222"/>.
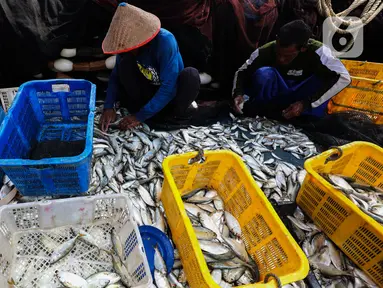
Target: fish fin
<point x="109" y="252"/>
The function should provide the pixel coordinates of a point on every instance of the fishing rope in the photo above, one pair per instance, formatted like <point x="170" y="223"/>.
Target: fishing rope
<point x="372" y="8"/>
<point x="272" y="275"/>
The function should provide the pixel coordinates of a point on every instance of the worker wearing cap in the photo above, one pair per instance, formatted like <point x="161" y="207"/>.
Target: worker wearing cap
<point x="289" y="77"/>
<point x="149" y="77"/>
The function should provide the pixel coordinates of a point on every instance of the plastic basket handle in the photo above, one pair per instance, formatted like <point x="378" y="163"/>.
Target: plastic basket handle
<point x="200" y="158"/>
<point x="276" y="278"/>
<point x="41" y="168"/>
<point x="334" y="156"/>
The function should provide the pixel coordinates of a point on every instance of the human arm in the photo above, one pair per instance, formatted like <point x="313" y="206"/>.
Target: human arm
<point x="109" y="114"/>
<point x="113" y="86"/>
<point x="170" y="65"/>
<point x="244" y="73"/>
<point x="333" y="74"/>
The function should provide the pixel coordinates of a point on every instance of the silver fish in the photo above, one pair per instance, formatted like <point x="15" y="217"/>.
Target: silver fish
<point x="216" y="250"/>
<point x="71" y="280"/>
<point x="87" y="238"/>
<point x="239" y="249"/>
<point x="62" y="250"/>
<point x="117" y="285"/>
<point x="121" y="270"/>
<point x="161" y="280"/>
<point x="159" y="220"/>
<point x="216" y="274"/>
<point x="233" y="224"/>
<point x="174" y="281"/>
<point x="203" y="233"/>
<point x="111" y="277"/>
<point x="232" y="275"/>
<point x="100" y="283"/>
<point x="208" y="223"/>
<point x="145" y="195"/>
<point x="144" y="138"/>
<point x="117" y="245"/>
<point x="159" y="263"/>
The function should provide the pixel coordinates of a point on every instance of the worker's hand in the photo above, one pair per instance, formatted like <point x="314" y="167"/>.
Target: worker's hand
<point x="108" y="116"/>
<point x="238" y="104"/>
<point x="128" y="122"/>
<point x="294" y="110"/>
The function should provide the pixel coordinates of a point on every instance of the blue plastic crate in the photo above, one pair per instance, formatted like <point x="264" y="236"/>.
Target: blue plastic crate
<point x="49" y="110"/>
<point x="2" y="116"/>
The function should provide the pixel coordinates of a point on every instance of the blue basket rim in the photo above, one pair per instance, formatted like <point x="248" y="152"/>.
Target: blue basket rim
<point x="92" y="100"/>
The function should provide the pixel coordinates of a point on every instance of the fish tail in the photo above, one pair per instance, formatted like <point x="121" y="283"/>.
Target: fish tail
<point x="109" y="252"/>
<point x="11" y="281"/>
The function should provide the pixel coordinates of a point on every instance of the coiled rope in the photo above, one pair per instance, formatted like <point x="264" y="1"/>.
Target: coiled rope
<point x="372" y="8"/>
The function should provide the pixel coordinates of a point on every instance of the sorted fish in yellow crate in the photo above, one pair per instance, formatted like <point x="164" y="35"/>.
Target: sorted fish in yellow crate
<point x="267" y="241"/>
<point x="357" y="234"/>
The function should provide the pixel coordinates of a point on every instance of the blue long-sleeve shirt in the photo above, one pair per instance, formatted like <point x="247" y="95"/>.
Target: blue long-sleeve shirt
<point x="160" y="62"/>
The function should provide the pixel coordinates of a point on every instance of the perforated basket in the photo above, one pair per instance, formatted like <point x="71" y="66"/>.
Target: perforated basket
<point x="60" y="110"/>
<point x="362" y="95"/>
<point x="2" y="115"/>
<point x="266" y="238"/>
<point x="356" y="234"/>
<point x="30" y="232"/>
<point x="370" y="70"/>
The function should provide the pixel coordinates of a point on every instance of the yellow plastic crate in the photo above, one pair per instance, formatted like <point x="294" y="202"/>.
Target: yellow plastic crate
<point x="264" y="234"/>
<point x="371" y="70"/>
<point x="356" y="234"/>
<point x="362" y="95"/>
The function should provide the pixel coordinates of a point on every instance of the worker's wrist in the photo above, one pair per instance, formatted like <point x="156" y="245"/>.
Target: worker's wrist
<point x="236" y="94"/>
<point x="306" y="104"/>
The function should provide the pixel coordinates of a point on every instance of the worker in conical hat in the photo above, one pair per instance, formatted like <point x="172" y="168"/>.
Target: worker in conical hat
<point x="149" y="77"/>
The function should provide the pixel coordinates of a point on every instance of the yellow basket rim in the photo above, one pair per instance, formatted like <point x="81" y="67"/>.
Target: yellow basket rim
<point x="303" y="269"/>
<point x="334" y="192"/>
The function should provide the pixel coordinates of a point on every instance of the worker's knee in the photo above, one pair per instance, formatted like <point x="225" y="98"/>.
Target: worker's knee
<point x="189" y="75"/>
<point x="265" y="73"/>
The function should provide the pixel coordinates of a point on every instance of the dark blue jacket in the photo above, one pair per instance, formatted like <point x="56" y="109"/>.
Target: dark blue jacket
<point x="160" y="62"/>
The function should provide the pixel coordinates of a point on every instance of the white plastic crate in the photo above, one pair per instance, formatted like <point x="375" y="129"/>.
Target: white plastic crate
<point x="7" y="95"/>
<point x="30" y="232"/>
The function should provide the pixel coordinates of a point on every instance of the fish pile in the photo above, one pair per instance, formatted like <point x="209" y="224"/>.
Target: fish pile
<point x="130" y="162"/>
<point x="219" y="236"/>
<point x="368" y="198"/>
<point x="135" y="156"/>
<point x="330" y="266"/>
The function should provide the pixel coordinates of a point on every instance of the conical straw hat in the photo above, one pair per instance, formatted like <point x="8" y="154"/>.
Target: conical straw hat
<point x="131" y="28"/>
